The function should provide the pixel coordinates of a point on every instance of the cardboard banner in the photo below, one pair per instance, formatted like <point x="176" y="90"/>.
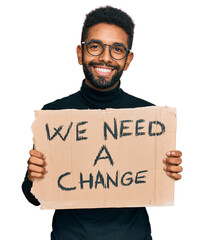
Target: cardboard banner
<point x="105" y="158"/>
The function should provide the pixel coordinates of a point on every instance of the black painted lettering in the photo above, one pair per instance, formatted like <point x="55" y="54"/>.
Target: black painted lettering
<point x="79" y="132"/>
<point x="61" y="186"/>
<point x="57" y="132"/>
<point x="48" y="131"/>
<point x="67" y="133"/>
<point x="107" y="156"/>
<point x="123" y="127"/>
<point x="162" y="127"/>
<point x="99" y="180"/>
<point x="82" y="181"/>
<point x="114" y="182"/>
<point x="113" y="133"/>
<point x="129" y="180"/>
<point x="140" y="177"/>
<point x="137" y="128"/>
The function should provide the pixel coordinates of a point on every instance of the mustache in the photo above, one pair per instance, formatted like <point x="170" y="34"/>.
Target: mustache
<point x="103" y="64"/>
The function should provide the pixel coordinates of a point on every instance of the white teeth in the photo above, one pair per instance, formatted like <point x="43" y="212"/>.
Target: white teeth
<point x="103" y="70"/>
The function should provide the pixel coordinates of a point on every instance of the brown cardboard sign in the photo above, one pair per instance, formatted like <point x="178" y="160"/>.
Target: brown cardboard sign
<point x="105" y="158"/>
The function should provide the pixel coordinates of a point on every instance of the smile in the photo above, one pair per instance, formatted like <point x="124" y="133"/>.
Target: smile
<point x="103" y="70"/>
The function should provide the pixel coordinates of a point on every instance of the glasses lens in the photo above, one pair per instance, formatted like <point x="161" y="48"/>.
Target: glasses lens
<point x="118" y="51"/>
<point x="95" y="48"/>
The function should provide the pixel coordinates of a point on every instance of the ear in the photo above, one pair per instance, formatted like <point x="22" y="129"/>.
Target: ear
<point x="129" y="60"/>
<point x="79" y="54"/>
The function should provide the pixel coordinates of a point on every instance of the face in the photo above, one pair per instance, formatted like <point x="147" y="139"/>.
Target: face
<point x="103" y="72"/>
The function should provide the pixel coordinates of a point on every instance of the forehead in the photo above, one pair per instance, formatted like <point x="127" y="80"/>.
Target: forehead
<point x="107" y="33"/>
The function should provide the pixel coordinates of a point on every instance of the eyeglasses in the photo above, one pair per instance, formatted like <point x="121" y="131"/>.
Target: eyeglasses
<point x="117" y="51"/>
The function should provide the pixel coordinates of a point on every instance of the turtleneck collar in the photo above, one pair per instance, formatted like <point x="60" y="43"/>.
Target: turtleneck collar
<point x="102" y="100"/>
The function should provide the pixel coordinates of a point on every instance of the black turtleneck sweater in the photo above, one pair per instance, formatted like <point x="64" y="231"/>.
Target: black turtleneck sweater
<point x="104" y="223"/>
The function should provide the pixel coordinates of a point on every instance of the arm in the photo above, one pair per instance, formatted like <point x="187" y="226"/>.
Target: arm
<point x="36" y="169"/>
<point x="172" y="164"/>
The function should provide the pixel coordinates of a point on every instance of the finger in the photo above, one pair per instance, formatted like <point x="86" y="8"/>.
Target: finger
<point x="174" y="153"/>
<point x="37" y="161"/>
<point x="33" y="175"/>
<point x="37" y="169"/>
<point x="175" y="176"/>
<point x="35" y="153"/>
<point x="173" y="169"/>
<point x="173" y="161"/>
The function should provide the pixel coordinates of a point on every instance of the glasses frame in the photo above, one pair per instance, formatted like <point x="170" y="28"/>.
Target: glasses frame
<point x="110" y="47"/>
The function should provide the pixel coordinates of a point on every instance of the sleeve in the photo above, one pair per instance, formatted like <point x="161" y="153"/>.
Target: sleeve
<point x="26" y="187"/>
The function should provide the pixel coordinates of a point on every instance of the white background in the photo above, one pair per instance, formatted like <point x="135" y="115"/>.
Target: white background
<point x="38" y="64"/>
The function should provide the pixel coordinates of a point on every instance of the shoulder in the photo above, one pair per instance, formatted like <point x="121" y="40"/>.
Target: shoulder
<point x="133" y="101"/>
<point x="71" y="101"/>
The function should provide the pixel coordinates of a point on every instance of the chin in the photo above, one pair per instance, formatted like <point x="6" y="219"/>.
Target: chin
<point x="102" y="83"/>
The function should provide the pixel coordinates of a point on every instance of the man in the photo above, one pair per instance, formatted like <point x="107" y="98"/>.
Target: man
<point x="104" y="53"/>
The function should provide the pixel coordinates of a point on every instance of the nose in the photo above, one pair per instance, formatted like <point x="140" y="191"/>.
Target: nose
<point x="105" y="56"/>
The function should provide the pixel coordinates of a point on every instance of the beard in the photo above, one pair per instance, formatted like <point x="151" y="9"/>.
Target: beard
<point x="101" y="82"/>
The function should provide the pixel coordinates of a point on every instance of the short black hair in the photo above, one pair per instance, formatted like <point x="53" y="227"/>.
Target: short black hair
<point x="109" y="15"/>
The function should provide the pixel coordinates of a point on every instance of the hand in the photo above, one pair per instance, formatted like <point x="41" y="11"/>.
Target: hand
<point x="172" y="162"/>
<point x="36" y="165"/>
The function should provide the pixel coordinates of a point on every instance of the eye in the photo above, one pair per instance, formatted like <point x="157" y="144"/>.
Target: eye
<point x="93" y="46"/>
<point x="118" y="49"/>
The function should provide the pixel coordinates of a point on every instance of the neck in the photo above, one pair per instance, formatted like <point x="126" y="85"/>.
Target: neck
<point x="101" y="89"/>
<point x="101" y="100"/>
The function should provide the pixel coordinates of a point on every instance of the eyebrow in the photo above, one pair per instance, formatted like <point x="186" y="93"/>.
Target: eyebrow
<point x="107" y="44"/>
